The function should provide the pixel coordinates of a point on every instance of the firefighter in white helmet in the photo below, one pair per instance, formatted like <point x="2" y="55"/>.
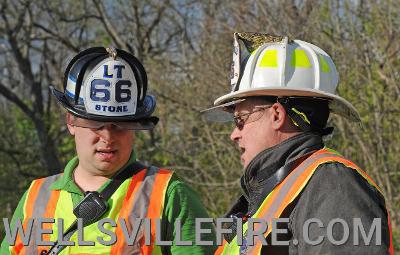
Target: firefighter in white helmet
<point x="282" y="92"/>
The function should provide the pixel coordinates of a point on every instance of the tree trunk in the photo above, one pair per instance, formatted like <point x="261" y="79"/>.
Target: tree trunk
<point x="48" y="149"/>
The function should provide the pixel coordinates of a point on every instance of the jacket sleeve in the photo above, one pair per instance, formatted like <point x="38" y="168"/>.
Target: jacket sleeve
<point x="18" y="215"/>
<point x="184" y="204"/>
<point x="336" y="193"/>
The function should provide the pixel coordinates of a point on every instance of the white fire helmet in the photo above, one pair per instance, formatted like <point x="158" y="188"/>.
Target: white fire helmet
<point x="268" y="65"/>
<point x="107" y="85"/>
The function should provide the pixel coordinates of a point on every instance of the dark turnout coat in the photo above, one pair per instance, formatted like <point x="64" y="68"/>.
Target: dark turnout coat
<point x="348" y="214"/>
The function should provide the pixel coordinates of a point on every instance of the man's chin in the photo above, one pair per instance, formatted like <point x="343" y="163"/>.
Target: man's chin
<point x="107" y="168"/>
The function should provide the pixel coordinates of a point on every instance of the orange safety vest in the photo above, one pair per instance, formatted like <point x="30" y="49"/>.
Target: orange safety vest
<point x="287" y="191"/>
<point x="144" y="198"/>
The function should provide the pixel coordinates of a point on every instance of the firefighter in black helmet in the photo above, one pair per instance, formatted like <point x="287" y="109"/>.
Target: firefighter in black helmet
<point x="105" y="95"/>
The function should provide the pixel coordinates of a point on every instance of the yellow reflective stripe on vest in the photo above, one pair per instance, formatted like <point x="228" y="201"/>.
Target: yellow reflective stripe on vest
<point x="36" y="206"/>
<point x="154" y="186"/>
<point x="275" y="203"/>
<point x="156" y="207"/>
<point x="291" y="187"/>
<point x="285" y="193"/>
<point x="130" y="200"/>
<point x="90" y="232"/>
<point x="33" y="190"/>
<point x="222" y="249"/>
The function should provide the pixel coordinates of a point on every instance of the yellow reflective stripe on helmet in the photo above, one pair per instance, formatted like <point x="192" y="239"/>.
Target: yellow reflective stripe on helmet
<point x="300" y="59"/>
<point x="270" y="59"/>
<point x="323" y="64"/>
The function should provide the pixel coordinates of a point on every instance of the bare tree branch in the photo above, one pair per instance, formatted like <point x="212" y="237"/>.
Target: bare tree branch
<point x="14" y="99"/>
<point x="57" y="37"/>
<point x="109" y="27"/>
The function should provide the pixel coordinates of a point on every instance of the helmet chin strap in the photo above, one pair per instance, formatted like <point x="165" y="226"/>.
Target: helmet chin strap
<point x="82" y="73"/>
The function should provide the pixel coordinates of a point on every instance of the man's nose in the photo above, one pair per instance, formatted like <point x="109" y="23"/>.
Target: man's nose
<point x="106" y="133"/>
<point x="235" y="135"/>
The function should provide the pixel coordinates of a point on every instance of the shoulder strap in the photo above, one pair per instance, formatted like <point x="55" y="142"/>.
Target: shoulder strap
<point x="94" y="205"/>
<point x="275" y="179"/>
<point x="120" y="177"/>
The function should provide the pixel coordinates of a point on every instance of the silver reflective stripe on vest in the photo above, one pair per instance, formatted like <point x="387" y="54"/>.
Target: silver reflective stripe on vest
<point x="139" y="211"/>
<point x="39" y="210"/>
<point x="289" y="181"/>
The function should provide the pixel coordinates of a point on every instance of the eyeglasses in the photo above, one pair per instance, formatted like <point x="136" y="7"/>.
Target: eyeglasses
<point x="245" y="118"/>
<point x="118" y="126"/>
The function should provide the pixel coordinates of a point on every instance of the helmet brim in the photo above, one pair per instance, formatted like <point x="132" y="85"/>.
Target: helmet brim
<point x="337" y="104"/>
<point x="142" y="115"/>
<point x="221" y="113"/>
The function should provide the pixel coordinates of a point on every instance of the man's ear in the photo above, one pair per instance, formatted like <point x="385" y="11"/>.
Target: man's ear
<point x="68" y="119"/>
<point x="278" y="116"/>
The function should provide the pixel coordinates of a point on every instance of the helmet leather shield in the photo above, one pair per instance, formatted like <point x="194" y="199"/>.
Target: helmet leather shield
<point x="107" y="85"/>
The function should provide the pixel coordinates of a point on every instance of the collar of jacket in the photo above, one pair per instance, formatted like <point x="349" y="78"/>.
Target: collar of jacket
<point x="270" y="160"/>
